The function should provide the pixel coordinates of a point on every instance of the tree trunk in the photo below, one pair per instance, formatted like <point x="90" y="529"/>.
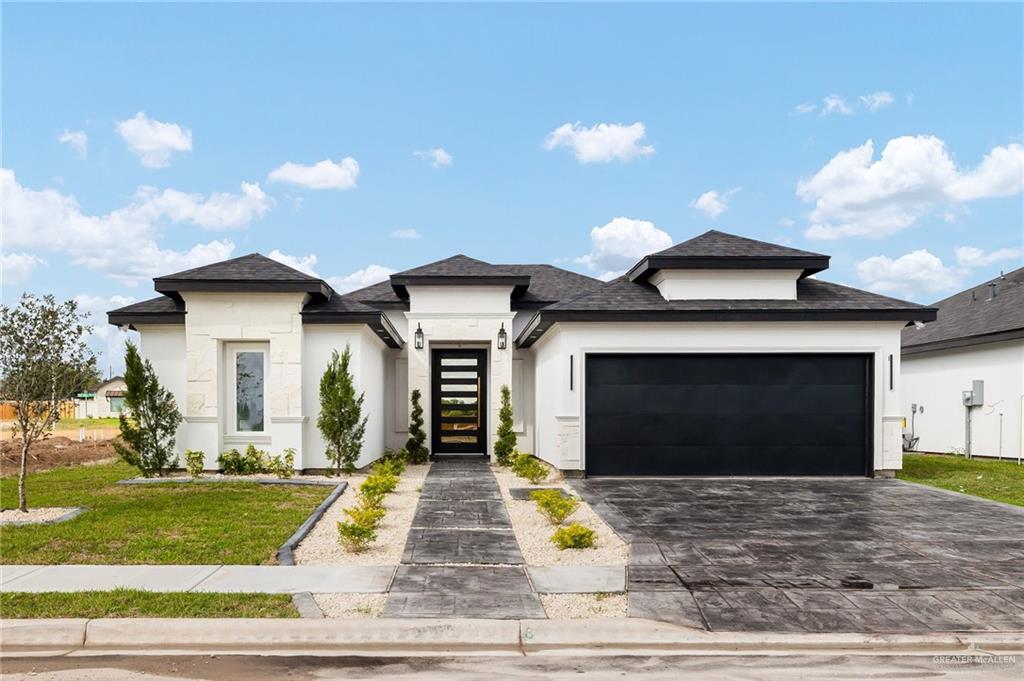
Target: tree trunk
<point x="22" y="503"/>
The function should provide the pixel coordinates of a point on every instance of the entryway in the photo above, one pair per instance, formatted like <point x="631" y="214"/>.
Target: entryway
<point x="459" y="402"/>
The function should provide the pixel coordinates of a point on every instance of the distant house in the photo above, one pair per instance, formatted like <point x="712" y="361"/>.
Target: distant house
<point x="979" y="336"/>
<point x="103" y="401"/>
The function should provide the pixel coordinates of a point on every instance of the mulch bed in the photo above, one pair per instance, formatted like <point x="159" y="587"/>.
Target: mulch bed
<point x="54" y="452"/>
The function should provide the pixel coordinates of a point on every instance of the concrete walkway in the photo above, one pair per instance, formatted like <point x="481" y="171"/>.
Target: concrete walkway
<point x="282" y="579"/>
<point x="460" y="519"/>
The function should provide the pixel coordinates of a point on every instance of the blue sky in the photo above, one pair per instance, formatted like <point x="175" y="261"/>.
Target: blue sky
<point x="140" y="139"/>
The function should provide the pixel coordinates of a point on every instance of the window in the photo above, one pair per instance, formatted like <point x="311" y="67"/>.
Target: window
<point x="249" y="370"/>
<point x="116" y="404"/>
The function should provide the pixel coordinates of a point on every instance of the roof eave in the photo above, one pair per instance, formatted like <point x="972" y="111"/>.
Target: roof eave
<point x="519" y="283"/>
<point x="131" y="319"/>
<point x="377" y="321"/>
<point x="172" y="287"/>
<point x="962" y="342"/>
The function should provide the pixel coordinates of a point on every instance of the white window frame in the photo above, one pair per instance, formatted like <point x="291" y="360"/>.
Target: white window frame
<point x="230" y="389"/>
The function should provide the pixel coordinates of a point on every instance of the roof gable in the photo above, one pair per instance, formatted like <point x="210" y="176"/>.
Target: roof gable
<point x="248" y="273"/>
<point x="719" y="250"/>
<point x="459" y="270"/>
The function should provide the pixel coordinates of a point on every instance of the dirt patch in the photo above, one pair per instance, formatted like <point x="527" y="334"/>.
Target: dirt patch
<point x="53" y="452"/>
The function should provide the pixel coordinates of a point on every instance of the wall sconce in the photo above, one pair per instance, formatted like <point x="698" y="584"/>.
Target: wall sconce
<point x="502" y="337"/>
<point x="418" y="337"/>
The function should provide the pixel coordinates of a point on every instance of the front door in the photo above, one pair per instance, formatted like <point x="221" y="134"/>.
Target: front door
<point x="459" y="402"/>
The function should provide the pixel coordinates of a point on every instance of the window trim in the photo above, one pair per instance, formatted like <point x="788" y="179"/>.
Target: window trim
<point x="231" y="390"/>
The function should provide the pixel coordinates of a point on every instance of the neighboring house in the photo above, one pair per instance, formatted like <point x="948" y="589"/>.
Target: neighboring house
<point x="102" y="401"/>
<point x="720" y="355"/>
<point x="979" y="336"/>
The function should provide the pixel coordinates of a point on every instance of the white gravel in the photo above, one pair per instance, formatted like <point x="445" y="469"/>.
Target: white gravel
<point x="321" y="546"/>
<point x="583" y="606"/>
<point x="34" y="516"/>
<point x="351" y="606"/>
<point x="533" y="531"/>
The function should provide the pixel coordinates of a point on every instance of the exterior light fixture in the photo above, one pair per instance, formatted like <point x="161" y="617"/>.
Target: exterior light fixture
<point x="418" y="337"/>
<point x="502" y="337"/>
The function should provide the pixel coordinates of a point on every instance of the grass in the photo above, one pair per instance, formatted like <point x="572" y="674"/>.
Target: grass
<point x="239" y="523"/>
<point x="995" y="480"/>
<point x="88" y="423"/>
<point x="133" y="603"/>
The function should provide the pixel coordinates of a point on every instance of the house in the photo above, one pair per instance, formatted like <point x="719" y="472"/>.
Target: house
<point x="101" y="401"/>
<point x="721" y="355"/>
<point x="977" y="347"/>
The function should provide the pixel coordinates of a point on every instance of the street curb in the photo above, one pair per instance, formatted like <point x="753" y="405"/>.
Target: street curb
<point x="286" y="554"/>
<point x="400" y="637"/>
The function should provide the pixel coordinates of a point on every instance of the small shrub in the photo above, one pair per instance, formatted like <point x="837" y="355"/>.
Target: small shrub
<point x="356" y="537"/>
<point x="230" y="462"/>
<point x="389" y="464"/>
<point x="554" y="505"/>
<point x="574" y="536"/>
<point x="382" y="482"/>
<point x="504" y="447"/>
<point x="255" y="461"/>
<point x="283" y="466"/>
<point x="364" y="514"/>
<point x="194" y="462"/>
<point x="415" y="447"/>
<point x="530" y="468"/>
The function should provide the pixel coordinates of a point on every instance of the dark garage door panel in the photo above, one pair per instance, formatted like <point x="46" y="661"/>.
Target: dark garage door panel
<point x="727" y="414"/>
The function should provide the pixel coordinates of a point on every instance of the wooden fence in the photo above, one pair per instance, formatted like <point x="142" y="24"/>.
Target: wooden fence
<point x="9" y="413"/>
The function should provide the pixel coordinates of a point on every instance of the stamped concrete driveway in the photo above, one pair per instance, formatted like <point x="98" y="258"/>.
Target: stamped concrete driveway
<point x="818" y="555"/>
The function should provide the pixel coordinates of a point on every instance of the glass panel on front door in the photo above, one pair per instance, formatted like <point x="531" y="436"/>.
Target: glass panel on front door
<point x="459" y="397"/>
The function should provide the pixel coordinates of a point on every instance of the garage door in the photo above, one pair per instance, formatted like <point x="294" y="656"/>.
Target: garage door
<point x="727" y="414"/>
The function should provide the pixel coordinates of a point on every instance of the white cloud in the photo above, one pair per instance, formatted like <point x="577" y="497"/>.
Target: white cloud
<point x="406" y="234"/>
<point x="370" y="274"/>
<point x="785" y="222"/>
<point x="17" y="267"/>
<point x="804" y="108"/>
<point x="971" y="256"/>
<point x="601" y="143"/>
<point x="105" y="340"/>
<point x="302" y="263"/>
<point x="835" y="104"/>
<point x="908" y="275"/>
<point x="877" y="100"/>
<point x="219" y="211"/>
<point x="76" y="139"/>
<point x="713" y="203"/>
<point x="855" y="195"/>
<point x="618" y="245"/>
<point x="325" y="174"/>
<point x="439" y="158"/>
<point x="123" y="243"/>
<point x="154" y="141"/>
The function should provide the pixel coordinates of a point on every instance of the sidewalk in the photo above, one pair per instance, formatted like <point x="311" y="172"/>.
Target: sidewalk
<point x="280" y="579"/>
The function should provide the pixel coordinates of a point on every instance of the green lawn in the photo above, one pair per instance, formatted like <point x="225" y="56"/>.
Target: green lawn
<point x="132" y="603"/>
<point x="996" y="480"/>
<point x="234" y="523"/>
<point x="88" y="423"/>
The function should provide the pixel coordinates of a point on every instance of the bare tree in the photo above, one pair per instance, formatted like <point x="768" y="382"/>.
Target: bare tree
<point x="44" y="361"/>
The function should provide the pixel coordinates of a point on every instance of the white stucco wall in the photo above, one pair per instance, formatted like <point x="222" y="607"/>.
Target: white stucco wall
<point x="164" y="346"/>
<point x="936" y="380"/>
<point x="367" y="367"/>
<point x="726" y="284"/>
<point x="560" y="426"/>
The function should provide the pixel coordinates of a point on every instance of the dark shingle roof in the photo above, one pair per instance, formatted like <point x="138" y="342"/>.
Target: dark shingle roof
<point x="718" y="250"/>
<point x="457" y="266"/>
<point x="250" y="273"/>
<point x="970" y="317"/>
<point x="624" y="300"/>
<point x="715" y="244"/>
<point x="547" y="284"/>
<point x="159" y="310"/>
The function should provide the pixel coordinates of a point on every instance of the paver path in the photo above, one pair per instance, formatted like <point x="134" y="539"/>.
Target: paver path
<point x="462" y="558"/>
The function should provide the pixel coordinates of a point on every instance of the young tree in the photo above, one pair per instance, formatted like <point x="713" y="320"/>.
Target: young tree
<point x="415" y="447"/>
<point x="341" y="420"/>
<point x="506" y="442"/>
<point x="149" y="420"/>
<point x="44" y="361"/>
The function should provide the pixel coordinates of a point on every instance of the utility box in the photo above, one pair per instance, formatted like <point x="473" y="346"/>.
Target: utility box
<point x="975" y="397"/>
